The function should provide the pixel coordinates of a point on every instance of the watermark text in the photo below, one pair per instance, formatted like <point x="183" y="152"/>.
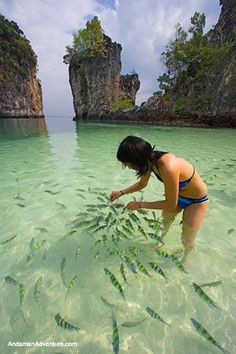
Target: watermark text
<point x="42" y="344"/>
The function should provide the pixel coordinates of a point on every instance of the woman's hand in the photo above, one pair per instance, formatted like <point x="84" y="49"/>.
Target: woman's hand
<point x="115" y="195"/>
<point x="133" y="205"/>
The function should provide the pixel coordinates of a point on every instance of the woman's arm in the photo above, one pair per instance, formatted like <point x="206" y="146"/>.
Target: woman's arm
<point x="170" y="175"/>
<point x="142" y="183"/>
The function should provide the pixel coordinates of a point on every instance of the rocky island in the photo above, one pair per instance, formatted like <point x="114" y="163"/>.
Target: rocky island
<point x="197" y="89"/>
<point x="97" y="86"/>
<point x="20" y="90"/>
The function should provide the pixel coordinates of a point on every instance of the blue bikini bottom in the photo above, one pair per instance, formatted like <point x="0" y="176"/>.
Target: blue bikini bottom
<point x="183" y="202"/>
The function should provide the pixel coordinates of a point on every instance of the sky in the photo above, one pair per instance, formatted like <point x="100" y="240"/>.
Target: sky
<point x="142" y="27"/>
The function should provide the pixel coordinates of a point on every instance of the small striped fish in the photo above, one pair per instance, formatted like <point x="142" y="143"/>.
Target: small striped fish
<point x="113" y="223"/>
<point x="12" y="281"/>
<point x="51" y="192"/>
<point x="71" y="284"/>
<point x="130" y="264"/>
<point x="115" y="335"/>
<point x="104" y="239"/>
<point x="91" y="228"/>
<point x="61" y="205"/>
<point x="163" y="254"/>
<point x="30" y="258"/>
<point x="63" y="264"/>
<point x="203" y="332"/>
<point x="113" y="209"/>
<point x="81" y="195"/>
<point x="21" y="293"/>
<point x="133" y="251"/>
<point x="21" y="286"/>
<point x="20" y="205"/>
<point x="106" y="303"/>
<point x="115" y="282"/>
<point x="154" y="315"/>
<point x="62" y="323"/>
<point x="77" y="250"/>
<point x="214" y="283"/>
<point x="82" y="214"/>
<point x="204" y="296"/>
<point x="8" y="240"/>
<point x="155" y="237"/>
<point x="133" y="323"/>
<point x="101" y="199"/>
<point x="35" y="246"/>
<point x="99" y="228"/>
<point x="37" y="288"/>
<point x="122" y="272"/>
<point x="108" y="217"/>
<point x="158" y="269"/>
<point x="134" y="217"/>
<point x="69" y="234"/>
<point x="129" y="224"/>
<point x="142" y="211"/>
<point x="41" y="229"/>
<point x="142" y="268"/>
<point x="127" y="230"/>
<point x="18" y="197"/>
<point x="142" y="232"/>
<point x="178" y="264"/>
<point x="122" y="234"/>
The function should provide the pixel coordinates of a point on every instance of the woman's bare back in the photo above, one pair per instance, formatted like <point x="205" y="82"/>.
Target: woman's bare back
<point x="196" y="188"/>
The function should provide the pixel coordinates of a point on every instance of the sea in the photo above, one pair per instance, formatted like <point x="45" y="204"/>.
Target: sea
<point x="75" y="270"/>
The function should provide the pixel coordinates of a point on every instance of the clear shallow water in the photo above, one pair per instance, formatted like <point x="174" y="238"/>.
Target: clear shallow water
<point x="50" y="171"/>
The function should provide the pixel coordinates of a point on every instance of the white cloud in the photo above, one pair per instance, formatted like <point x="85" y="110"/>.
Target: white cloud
<point x="142" y="27"/>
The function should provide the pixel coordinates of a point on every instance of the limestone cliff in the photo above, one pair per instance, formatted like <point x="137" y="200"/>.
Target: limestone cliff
<point x="20" y="90"/>
<point x="206" y="96"/>
<point x="205" y="99"/>
<point x="97" y="85"/>
<point x="225" y="26"/>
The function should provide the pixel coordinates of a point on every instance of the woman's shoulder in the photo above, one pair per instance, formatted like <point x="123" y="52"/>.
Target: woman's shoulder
<point x="168" y="158"/>
<point x="169" y="162"/>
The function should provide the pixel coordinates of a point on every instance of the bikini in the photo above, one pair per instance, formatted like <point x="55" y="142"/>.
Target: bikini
<point x="183" y="202"/>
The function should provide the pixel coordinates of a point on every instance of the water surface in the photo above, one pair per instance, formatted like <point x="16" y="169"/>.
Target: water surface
<point x="50" y="171"/>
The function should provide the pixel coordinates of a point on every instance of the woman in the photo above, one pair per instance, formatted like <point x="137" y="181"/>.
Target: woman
<point x="184" y="189"/>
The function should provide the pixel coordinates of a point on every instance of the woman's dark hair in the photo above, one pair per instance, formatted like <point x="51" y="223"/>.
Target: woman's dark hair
<point x="136" y="151"/>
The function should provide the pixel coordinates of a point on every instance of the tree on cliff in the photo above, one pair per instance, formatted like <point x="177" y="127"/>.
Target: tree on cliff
<point x="87" y="42"/>
<point x="16" y="53"/>
<point x="190" y="56"/>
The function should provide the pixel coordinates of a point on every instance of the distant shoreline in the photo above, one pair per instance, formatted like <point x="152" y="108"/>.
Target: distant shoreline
<point x="23" y="116"/>
<point x="191" y="122"/>
<point x="209" y="122"/>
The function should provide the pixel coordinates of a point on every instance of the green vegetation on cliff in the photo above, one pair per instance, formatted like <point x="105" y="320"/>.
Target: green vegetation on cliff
<point x="190" y="58"/>
<point x="122" y="103"/>
<point x="87" y="42"/>
<point x="16" y="53"/>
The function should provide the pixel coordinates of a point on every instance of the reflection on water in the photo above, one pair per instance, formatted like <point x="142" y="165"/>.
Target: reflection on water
<point x="49" y="178"/>
<point x="22" y="127"/>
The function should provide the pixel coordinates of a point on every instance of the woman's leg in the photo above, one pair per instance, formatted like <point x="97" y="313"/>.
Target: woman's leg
<point x="193" y="217"/>
<point x="168" y="216"/>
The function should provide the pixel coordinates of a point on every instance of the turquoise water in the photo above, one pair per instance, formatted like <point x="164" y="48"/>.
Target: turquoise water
<point x="50" y="171"/>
